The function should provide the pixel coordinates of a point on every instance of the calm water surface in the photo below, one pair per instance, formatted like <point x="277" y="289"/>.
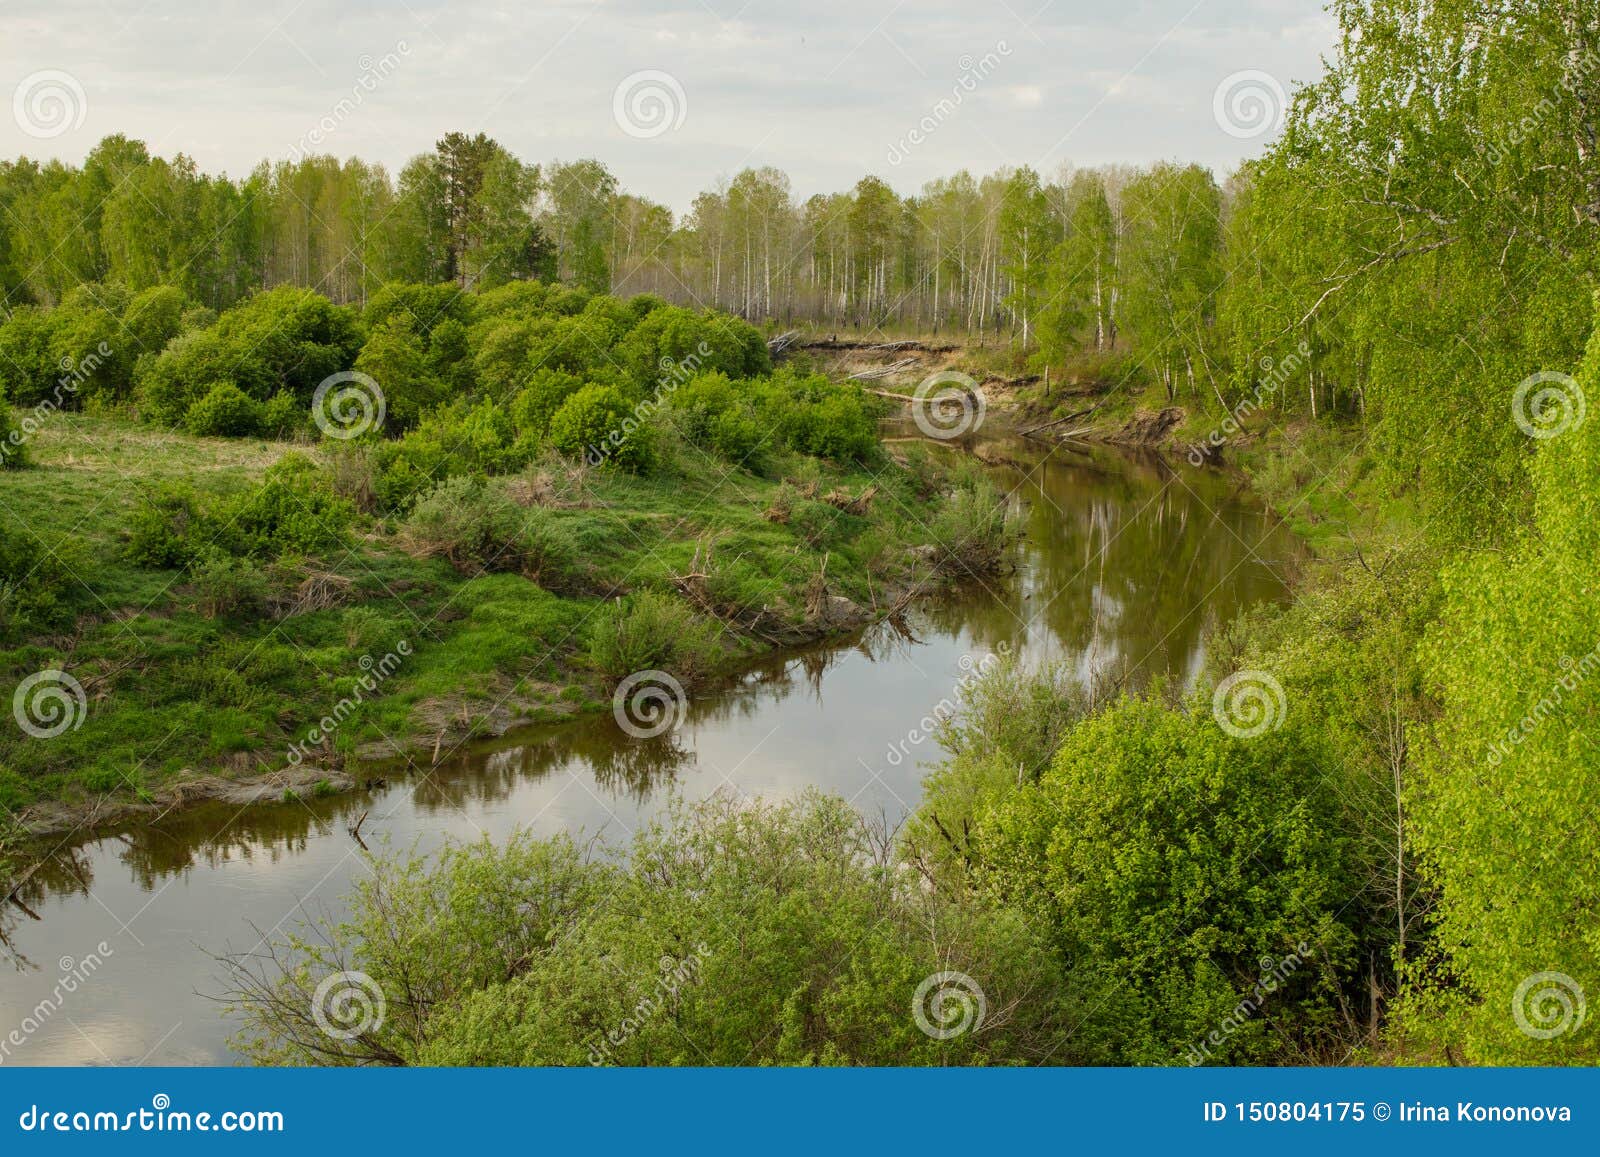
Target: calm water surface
<point x="1126" y="565"/>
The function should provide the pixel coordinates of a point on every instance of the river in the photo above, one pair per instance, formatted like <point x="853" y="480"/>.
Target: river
<point x="1127" y="563"/>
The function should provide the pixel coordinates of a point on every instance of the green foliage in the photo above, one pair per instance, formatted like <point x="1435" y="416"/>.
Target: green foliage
<point x="713" y="414"/>
<point x="478" y="528"/>
<point x="227" y="410"/>
<point x="733" y="934"/>
<point x="285" y="339"/>
<point x="815" y="416"/>
<point x="971" y="531"/>
<point x="598" y="425"/>
<point x="537" y="402"/>
<point x="36" y="581"/>
<point x="650" y="631"/>
<point x="1501" y="804"/>
<point x="28" y="369"/>
<point x="13" y="442"/>
<point x="293" y="512"/>
<point x="228" y="585"/>
<point x="1168" y="861"/>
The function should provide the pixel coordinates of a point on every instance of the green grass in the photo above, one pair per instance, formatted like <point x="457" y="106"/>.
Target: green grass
<point x="172" y="694"/>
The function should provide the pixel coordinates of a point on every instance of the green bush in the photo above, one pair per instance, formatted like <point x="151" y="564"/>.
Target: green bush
<point x="453" y="441"/>
<point x="28" y="369"/>
<point x="36" y="581"/>
<point x="225" y="410"/>
<point x="396" y="358"/>
<point x="228" y="585"/>
<point x="1175" y="866"/>
<point x="714" y="414"/>
<point x="537" y="402"/>
<point x="971" y="530"/>
<point x="293" y="511"/>
<point x="478" y="528"/>
<point x="650" y="631"/>
<point x="283" y="415"/>
<point x="13" y="445"/>
<point x="597" y="425"/>
<point x="166" y="528"/>
<point x="763" y="934"/>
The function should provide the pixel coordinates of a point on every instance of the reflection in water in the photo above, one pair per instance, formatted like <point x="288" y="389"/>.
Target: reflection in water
<point x="1126" y="565"/>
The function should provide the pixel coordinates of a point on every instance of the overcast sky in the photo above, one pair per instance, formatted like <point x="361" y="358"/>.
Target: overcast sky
<point x="827" y="90"/>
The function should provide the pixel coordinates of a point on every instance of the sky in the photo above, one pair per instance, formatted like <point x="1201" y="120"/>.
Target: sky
<point x="674" y="96"/>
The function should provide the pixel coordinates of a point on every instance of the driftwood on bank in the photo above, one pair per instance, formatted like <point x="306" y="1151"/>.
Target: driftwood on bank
<point x="882" y="371"/>
<point x="1075" y="415"/>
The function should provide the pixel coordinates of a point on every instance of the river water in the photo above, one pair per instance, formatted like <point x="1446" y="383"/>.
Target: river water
<point x="1127" y="563"/>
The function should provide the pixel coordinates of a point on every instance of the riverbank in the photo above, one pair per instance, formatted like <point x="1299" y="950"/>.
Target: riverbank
<point x="160" y="690"/>
<point x="853" y="718"/>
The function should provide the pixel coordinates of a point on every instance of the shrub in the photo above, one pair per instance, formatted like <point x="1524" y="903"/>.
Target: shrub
<point x="28" y="369"/>
<point x="1175" y="866"/>
<point x="293" y="511"/>
<point x="166" y="528"/>
<point x="154" y="317"/>
<point x="478" y="528"/>
<point x="228" y="585"/>
<point x="451" y="442"/>
<point x="283" y="415"/>
<point x="712" y="413"/>
<point x="598" y="425"/>
<point x="730" y="919"/>
<point x="971" y="531"/>
<point x="650" y="631"/>
<point x="13" y="447"/>
<point x="537" y="402"/>
<point x="395" y="357"/>
<point x="815" y="522"/>
<point x="224" y="410"/>
<point x="33" y="580"/>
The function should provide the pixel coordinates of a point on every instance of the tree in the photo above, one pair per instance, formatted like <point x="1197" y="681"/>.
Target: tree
<point x="1169" y="258"/>
<point x="1028" y="231"/>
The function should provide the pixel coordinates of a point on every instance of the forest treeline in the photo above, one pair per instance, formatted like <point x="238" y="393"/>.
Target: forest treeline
<point x="973" y="254"/>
